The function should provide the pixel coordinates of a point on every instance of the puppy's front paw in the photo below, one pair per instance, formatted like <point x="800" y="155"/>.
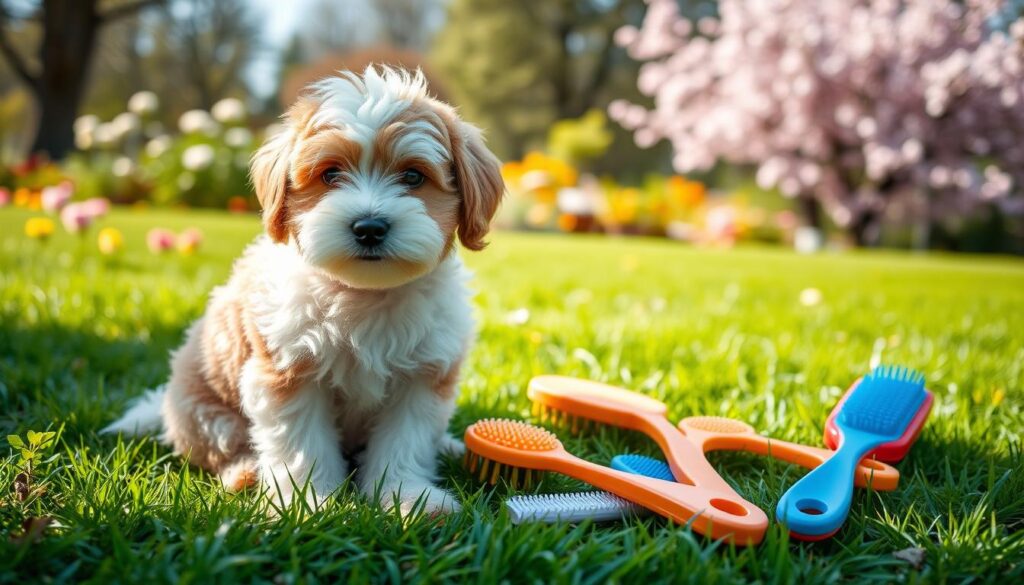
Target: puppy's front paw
<point x="241" y="474"/>
<point x="429" y="499"/>
<point x="451" y="446"/>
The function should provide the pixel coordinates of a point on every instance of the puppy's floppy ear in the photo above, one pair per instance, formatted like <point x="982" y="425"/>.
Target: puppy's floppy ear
<point x="478" y="177"/>
<point x="269" y="175"/>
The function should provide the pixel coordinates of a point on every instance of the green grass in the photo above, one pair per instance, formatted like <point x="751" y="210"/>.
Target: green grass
<point x="708" y="332"/>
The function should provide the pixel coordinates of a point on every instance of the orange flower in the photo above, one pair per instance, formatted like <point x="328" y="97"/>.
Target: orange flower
<point x="567" y="222"/>
<point x="684" y="193"/>
<point x="238" y="204"/>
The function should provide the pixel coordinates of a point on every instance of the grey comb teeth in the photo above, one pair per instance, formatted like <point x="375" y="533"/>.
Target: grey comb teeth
<point x="572" y="507"/>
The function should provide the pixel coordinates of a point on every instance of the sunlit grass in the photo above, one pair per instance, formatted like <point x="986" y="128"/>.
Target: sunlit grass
<point x="709" y="332"/>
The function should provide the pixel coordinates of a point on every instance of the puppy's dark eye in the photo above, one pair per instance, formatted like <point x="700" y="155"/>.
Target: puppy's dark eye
<point x="331" y="176"/>
<point x="412" y="178"/>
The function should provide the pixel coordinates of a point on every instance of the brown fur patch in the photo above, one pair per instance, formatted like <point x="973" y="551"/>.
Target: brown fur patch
<point x="281" y="383"/>
<point x="240" y="474"/>
<point x="326" y="149"/>
<point x="447" y="383"/>
<point x="442" y="207"/>
<point x="478" y="179"/>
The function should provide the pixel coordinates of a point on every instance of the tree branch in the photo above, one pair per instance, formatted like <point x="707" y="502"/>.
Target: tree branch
<point x="15" y="60"/>
<point x="126" y="9"/>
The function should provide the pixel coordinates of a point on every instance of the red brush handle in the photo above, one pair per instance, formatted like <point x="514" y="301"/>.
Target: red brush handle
<point x="893" y="451"/>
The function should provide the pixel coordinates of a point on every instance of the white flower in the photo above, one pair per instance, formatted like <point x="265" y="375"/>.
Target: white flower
<point x="197" y="157"/>
<point x="195" y="121"/>
<point x="86" y="123"/>
<point x="237" y="137"/>
<point x="518" y="317"/>
<point x="575" y="201"/>
<point x="125" y="123"/>
<point x="810" y="297"/>
<point x="143" y="102"/>
<point x="105" y="134"/>
<point x="157" y="146"/>
<point x="85" y="131"/>
<point x="83" y="140"/>
<point x="122" y="166"/>
<point x="228" y="110"/>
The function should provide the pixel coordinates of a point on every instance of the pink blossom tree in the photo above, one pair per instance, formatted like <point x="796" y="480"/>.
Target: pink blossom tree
<point x="858" y="107"/>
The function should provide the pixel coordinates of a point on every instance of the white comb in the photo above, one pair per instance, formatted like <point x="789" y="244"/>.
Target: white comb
<point x="572" y="507"/>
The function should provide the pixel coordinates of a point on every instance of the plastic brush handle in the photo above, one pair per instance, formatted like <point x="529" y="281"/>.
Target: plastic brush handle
<point x="878" y="475"/>
<point x="710" y="512"/>
<point x="819" y="503"/>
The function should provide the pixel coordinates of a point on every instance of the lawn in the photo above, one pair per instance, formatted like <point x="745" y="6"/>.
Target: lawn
<point x="732" y="333"/>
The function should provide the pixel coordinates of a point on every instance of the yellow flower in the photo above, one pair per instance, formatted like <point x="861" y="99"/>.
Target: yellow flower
<point x="39" y="228"/>
<point x="110" y="241"/>
<point x="625" y="206"/>
<point x="539" y="214"/>
<point x="512" y="171"/>
<point x="189" y="240"/>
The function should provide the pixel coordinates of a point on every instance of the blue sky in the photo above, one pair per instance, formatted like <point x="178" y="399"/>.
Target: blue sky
<point x="279" y="18"/>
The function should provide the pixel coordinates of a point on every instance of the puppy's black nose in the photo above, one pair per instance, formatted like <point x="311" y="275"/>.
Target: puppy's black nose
<point x="370" y="231"/>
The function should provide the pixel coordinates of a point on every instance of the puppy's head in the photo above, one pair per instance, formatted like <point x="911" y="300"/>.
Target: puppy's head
<point x="373" y="180"/>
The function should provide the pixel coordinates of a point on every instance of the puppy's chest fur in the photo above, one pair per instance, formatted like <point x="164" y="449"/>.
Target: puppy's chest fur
<point x="364" y="345"/>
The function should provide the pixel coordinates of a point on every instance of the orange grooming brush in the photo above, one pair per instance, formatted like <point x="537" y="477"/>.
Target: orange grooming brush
<point x="573" y="399"/>
<point x="714" y="433"/>
<point x="503" y="447"/>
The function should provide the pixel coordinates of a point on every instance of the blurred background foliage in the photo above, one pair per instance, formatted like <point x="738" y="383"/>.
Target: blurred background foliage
<point x="537" y="75"/>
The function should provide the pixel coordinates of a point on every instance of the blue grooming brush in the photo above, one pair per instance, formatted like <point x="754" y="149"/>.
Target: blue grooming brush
<point x="877" y="411"/>
<point x="641" y="465"/>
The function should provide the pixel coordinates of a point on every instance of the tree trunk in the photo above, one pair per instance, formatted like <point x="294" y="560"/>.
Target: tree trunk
<point x="69" y="38"/>
<point x="866" y="229"/>
<point x="811" y="210"/>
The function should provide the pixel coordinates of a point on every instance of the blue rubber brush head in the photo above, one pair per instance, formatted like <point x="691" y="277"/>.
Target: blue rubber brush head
<point x="641" y="465"/>
<point x="885" y="401"/>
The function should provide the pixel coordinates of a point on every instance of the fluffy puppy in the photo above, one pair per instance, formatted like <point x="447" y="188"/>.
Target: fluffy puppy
<point x="345" y="325"/>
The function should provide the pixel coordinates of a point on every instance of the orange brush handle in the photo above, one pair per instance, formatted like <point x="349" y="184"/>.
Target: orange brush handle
<point x="685" y="458"/>
<point x="708" y="511"/>
<point x="630" y="410"/>
<point x="716" y="514"/>
<point x="878" y="475"/>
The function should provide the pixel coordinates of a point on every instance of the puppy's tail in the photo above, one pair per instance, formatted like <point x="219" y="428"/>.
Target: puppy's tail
<point x="143" y="418"/>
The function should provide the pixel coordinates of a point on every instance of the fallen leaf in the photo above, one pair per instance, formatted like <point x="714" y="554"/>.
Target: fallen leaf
<point x="21" y="488"/>
<point x="913" y="555"/>
<point x="32" y="530"/>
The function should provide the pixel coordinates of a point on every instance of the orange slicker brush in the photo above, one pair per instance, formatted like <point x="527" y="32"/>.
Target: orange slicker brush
<point x="495" y="446"/>
<point x="714" y="433"/>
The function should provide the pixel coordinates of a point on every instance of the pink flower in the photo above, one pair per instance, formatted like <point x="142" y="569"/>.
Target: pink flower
<point x="55" y="197"/>
<point x="75" y="217"/>
<point x="786" y="220"/>
<point x="189" y="240"/>
<point x="160" y="240"/>
<point x="96" y="207"/>
<point x="5" y="197"/>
